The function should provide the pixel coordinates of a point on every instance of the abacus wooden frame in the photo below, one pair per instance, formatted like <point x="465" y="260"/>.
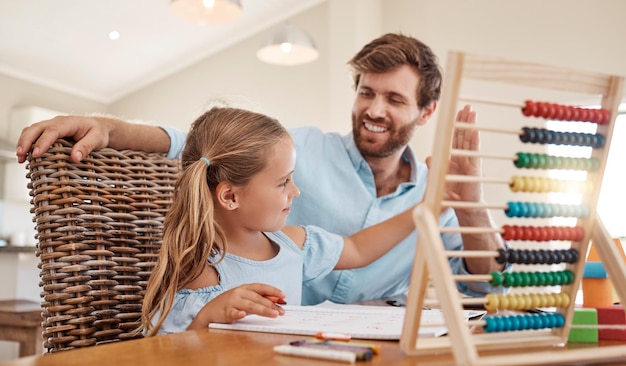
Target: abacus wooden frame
<point x="431" y="262"/>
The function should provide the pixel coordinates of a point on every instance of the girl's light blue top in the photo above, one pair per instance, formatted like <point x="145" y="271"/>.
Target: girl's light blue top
<point x="288" y="270"/>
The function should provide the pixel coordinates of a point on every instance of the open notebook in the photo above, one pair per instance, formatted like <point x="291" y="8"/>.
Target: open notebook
<point x="360" y="321"/>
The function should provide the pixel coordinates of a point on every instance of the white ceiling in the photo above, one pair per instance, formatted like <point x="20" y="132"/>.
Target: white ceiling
<point x="64" y="44"/>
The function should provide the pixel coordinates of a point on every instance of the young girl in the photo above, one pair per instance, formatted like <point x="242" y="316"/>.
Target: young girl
<point x="226" y="252"/>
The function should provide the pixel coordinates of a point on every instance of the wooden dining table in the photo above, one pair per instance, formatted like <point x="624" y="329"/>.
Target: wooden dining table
<point x="230" y="347"/>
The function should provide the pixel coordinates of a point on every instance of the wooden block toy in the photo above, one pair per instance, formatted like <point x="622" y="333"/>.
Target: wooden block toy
<point x="588" y="317"/>
<point x="594" y="270"/>
<point x="611" y="315"/>
<point x="592" y="256"/>
<point x="597" y="292"/>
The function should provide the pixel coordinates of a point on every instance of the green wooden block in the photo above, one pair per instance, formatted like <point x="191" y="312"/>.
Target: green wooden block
<point x="584" y="316"/>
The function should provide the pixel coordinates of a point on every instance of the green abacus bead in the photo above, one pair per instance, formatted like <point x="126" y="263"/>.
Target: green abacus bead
<point x="533" y="161"/>
<point x="533" y="279"/>
<point x="595" y="163"/>
<point x="542" y="162"/>
<point x="509" y="279"/>
<point x="524" y="279"/>
<point x="522" y="160"/>
<point x="496" y="278"/>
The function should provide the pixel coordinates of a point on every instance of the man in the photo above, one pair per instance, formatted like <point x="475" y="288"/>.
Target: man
<point x="347" y="182"/>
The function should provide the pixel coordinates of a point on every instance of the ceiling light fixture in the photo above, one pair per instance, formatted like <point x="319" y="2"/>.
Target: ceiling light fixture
<point x="205" y="12"/>
<point x="289" y="45"/>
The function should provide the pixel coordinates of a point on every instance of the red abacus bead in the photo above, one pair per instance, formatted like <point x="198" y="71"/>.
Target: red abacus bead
<point x="575" y="114"/>
<point x="531" y="233"/>
<point x="508" y="232"/>
<point x="606" y="116"/>
<point x="529" y="108"/>
<point x="543" y="234"/>
<point x="567" y="113"/>
<point x="543" y="110"/>
<point x="579" y="234"/>
<point x="551" y="232"/>
<point x="560" y="112"/>
<point x="558" y="233"/>
<point x="584" y="114"/>
<point x="595" y="115"/>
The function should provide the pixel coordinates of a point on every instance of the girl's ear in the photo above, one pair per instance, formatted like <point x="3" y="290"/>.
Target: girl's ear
<point x="225" y="194"/>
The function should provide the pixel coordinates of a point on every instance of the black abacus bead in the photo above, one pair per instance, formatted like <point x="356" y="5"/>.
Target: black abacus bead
<point x="525" y="136"/>
<point x="513" y="256"/>
<point x="503" y="257"/>
<point x="523" y="256"/>
<point x="540" y="256"/>
<point x="540" y="136"/>
<point x="598" y="141"/>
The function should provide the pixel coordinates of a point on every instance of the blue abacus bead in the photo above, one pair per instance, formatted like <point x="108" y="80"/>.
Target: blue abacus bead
<point x="547" y="210"/>
<point x="489" y="326"/>
<point x="539" y="323"/>
<point x="540" y="210"/>
<point x="523" y="209"/>
<point x="530" y="321"/>
<point x="523" y="322"/>
<point x="507" y="324"/>
<point x="515" y="323"/>
<point x="549" y="137"/>
<point x="585" y="212"/>
<point x="588" y="139"/>
<point x="559" y="320"/>
<point x="512" y="210"/>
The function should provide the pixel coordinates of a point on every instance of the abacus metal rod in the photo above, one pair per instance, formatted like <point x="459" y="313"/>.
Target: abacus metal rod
<point x="465" y="204"/>
<point x="478" y="154"/>
<point x="472" y="253"/>
<point x="474" y="179"/>
<point x="470" y="230"/>
<point x="470" y="126"/>
<point x="489" y="101"/>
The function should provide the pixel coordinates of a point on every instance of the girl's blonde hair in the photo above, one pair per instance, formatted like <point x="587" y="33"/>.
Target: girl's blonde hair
<point x="236" y="144"/>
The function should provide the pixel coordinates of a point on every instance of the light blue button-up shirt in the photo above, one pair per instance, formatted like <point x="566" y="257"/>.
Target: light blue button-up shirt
<point x="338" y="193"/>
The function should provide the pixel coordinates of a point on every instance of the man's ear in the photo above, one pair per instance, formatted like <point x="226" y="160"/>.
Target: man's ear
<point x="426" y="113"/>
<point x="225" y="195"/>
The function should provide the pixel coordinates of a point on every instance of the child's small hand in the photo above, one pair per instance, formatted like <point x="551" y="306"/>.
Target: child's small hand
<point x="235" y="304"/>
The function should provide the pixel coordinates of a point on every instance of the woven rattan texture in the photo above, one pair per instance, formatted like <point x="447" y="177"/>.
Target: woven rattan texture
<point x="99" y="225"/>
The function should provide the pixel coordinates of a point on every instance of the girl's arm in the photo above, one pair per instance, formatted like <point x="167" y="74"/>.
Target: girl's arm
<point x="367" y="245"/>
<point x="236" y="303"/>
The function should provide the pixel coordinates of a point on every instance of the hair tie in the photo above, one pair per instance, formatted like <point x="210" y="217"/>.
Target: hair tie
<point x="208" y="163"/>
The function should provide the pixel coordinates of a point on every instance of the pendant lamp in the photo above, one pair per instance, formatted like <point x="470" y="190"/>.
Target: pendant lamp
<point x="288" y="46"/>
<point x="205" y="12"/>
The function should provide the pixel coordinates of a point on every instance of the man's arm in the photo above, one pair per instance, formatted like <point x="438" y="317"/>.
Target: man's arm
<point x="91" y="133"/>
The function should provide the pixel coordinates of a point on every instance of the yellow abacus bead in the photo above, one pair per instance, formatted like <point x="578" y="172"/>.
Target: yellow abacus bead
<point x="554" y="300"/>
<point x="513" y="302"/>
<point x="516" y="185"/>
<point x="535" y="301"/>
<point x="545" y="300"/>
<point x="528" y="302"/>
<point x="531" y="184"/>
<point x="504" y="301"/>
<point x="565" y="299"/>
<point x="544" y="185"/>
<point x="492" y="302"/>
<point x="556" y="186"/>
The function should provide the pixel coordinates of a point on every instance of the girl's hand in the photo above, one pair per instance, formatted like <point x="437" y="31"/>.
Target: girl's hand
<point x="235" y="304"/>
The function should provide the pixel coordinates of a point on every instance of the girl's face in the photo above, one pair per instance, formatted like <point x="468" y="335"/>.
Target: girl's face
<point x="265" y="202"/>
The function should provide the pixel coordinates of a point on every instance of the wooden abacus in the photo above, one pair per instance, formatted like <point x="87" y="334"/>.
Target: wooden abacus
<point x="513" y="335"/>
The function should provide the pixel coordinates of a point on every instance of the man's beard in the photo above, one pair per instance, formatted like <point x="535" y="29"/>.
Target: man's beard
<point x="398" y="139"/>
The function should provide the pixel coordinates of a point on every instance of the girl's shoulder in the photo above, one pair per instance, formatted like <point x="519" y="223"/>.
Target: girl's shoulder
<point x="297" y="234"/>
